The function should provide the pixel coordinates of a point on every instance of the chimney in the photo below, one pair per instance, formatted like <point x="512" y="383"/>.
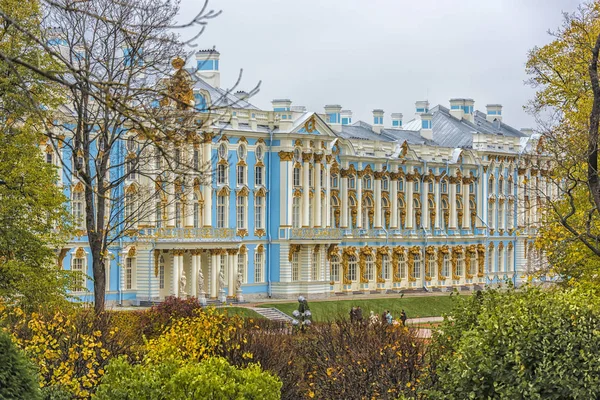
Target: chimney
<point x="397" y="120"/>
<point x="377" y="120"/>
<point x="346" y="117"/>
<point x="426" y="129"/>
<point x="207" y="67"/>
<point x="334" y="118"/>
<point x="421" y="107"/>
<point x="301" y="109"/>
<point x="494" y="112"/>
<point x="462" y="108"/>
<point x="527" y="131"/>
<point x="281" y="104"/>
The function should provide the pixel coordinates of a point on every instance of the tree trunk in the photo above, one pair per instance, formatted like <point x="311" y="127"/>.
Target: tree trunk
<point x="593" y="180"/>
<point x="98" y="269"/>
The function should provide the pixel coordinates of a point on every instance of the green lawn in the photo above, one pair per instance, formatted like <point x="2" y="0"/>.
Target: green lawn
<point x="415" y="307"/>
<point x="241" y="311"/>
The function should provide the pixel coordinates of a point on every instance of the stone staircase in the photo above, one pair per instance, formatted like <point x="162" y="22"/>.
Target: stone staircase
<point x="272" y="314"/>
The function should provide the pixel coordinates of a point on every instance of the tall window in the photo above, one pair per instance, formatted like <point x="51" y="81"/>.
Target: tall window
<point x="369" y="266"/>
<point x="258" y="176"/>
<point x="296" y="212"/>
<point x="315" y="266"/>
<point x="158" y="217"/>
<point x="491" y="213"/>
<point x="460" y="264"/>
<point x="221" y="211"/>
<point x="221" y="174"/>
<point x="385" y="266"/>
<point x="401" y="208"/>
<point x="417" y="266"/>
<point x="501" y="186"/>
<point x="510" y="216"/>
<point x="259" y="264"/>
<point x="196" y="160"/>
<point x="490" y="263"/>
<point x="351" y="182"/>
<point x="509" y="259"/>
<point x="241" y="212"/>
<point x="473" y="264"/>
<point x="491" y="186"/>
<point x="49" y="158"/>
<point x="352" y="267"/>
<point x="77" y="208"/>
<point x="295" y="266"/>
<point x="130" y="207"/>
<point x="416" y="210"/>
<point x="297" y="180"/>
<point x="161" y="273"/>
<point x="259" y="209"/>
<point x="367" y="182"/>
<point x="129" y="264"/>
<point x="334" y="181"/>
<point x="500" y="266"/>
<point x="311" y="175"/>
<point x="158" y="160"/>
<point x="385" y="183"/>
<point x="177" y="157"/>
<point x="402" y="265"/>
<point x="401" y="185"/>
<point x="130" y="168"/>
<point x="446" y="265"/>
<point x="444" y="186"/>
<point x="78" y="266"/>
<point x="416" y="186"/>
<point x="241" y="267"/>
<point x="197" y="214"/>
<point x="241" y="175"/>
<point x="335" y="268"/>
<point x="431" y="266"/>
<point x="178" y="211"/>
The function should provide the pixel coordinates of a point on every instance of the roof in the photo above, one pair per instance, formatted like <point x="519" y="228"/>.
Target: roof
<point x="220" y="97"/>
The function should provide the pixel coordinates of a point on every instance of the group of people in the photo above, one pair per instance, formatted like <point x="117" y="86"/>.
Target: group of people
<point x="386" y="317"/>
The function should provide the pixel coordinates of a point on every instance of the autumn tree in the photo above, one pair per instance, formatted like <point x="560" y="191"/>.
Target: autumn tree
<point x="128" y="107"/>
<point x="567" y="106"/>
<point x="33" y="217"/>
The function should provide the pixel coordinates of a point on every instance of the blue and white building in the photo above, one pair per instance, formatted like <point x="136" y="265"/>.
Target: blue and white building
<point x="315" y="203"/>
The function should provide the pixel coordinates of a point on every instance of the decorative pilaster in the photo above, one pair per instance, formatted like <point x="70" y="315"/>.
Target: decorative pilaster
<point x="306" y="157"/>
<point x="317" y="197"/>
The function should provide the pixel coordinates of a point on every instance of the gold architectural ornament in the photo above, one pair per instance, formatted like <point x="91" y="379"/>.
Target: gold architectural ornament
<point x="224" y="191"/>
<point x="208" y="137"/>
<point x="332" y="250"/>
<point x="471" y="253"/>
<point x="307" y="157"/>
<point x="179" y="88"/>
<point x="456" y="250"/>
<point x="80" y="253"/>
<point x="411" y="262"/>
<point x="364" y="253"/>
<point x="346" y="254"/>
<point x="78" y="187"/>
<point x="243" y="192"/>
<point x="232" y="252"/>
<point x="261" y="192"/>
<point x="294" y="248"/>
<point x="510" y="245"/>
<point x="156" y="261"/>
<point x="480" y="260"/>
<point x="404" y="148"/>
<point x="131" y="189"/>
<point x="429" y="255"/>
<point x="441" y="253"/>
<point x="310" y="125"/>
<point x="297" y="193"/>
<point x="311" y="193"/>
<point x="286" y="155"/>
<point x="260" y="248"/>
<point x="459" y="218"/>
<point x="132" y="252"/>
<point x="243" y="249"/>
<point x="397" y="274"/>
<point x="385" y="250"/>
<point x="259" y="232"/>
<point x="318" y="157"/>
<point x="242" y="232"/>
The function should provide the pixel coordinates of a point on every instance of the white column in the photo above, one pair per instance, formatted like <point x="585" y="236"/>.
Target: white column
<point x="452" y="221"/>
<point x="377" y="216"/>
<point x="230" y="274"/>
<point x="410" y="184"/>
<point x="287" y="187"/>
<point x="438" y="203"/>
<point x="176" y="268"/>
<point x="188" y="210"/>
<point x="317" y="203"/>
<point x="466" y="209"/>
<point x="394" y="203"/>
<point x="359" y="201"/>
<point x="424" y="204"/>
<point x="194" y="278"/>
<point x="305" y="190"/>
<point x="482" y="202"/>
<point x="214" y="272"/>
<point x="207" y="187"/>
<point x="344" y="196"/>
<point x="328" y="216"/>
<point x="170" y="204"/>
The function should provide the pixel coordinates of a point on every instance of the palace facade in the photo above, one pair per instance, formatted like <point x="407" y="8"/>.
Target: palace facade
<point x="314" y="203"/>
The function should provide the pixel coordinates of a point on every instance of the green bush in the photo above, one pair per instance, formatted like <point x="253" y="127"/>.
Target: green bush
<point x="18" y="379"/>
<point x="213" y="378"/>
<point x="529" y="344"/>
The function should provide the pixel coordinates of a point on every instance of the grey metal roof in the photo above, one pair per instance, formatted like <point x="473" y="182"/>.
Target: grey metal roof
<point x="362" y="131"/>
<point x="411" y="137"/>
<point x="220" y="97"/>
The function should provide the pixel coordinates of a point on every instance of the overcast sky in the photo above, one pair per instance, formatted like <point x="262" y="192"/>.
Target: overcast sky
<point x="366" y="54"/>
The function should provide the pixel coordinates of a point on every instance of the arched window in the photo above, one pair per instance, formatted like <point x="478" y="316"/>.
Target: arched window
<point x="334" y="181"/>
<point x="500" y="266"/>
<point x="491" y="186"/>
<point x="78" y="265"/>
<point x="430" y="187"/>
<point x="259" y="265"/>
<point x="385" y="183"/>
<point x="509" y="259"/>
<point x="369" y="267"/>
<point x="445" y="214"/>
<point x="130" y="263"/>
<point x="352" y="267"/>
<point x="178" y="211"/>
<point x="432" y="266"/>
<point x="77" y="207"/>
<point x="473" y="264"/>
<point x="416" y="186"/>
<point x="197" y="211"/>
<point x="491" y="213"/>
<point x="297" y="178"/>
<point x="444" y="186"/>
<point x="401" y="185"/>
<point x="130" y="207"/>
<point x="221" y="174"/>
<point x="367" y="182"/>
<point x="458" y="188"/>
<point x="460" y="264"/>
<point x="490" y="263"/>
<point x="259" y="212"/>
<point x="417" y="265"/>
<point x="416" y="213"/>
<point x="296" y="212"/>
<point x="130" y="168"/>
<point x="446" y="265"/>
<point x="402" y="265"/>
<point x="501" y="186"/>
<point x="367" y="209"/>
<point x="351" y="182"/>
<point x="241" y="212"/>
<point x="242" y="265"/>
<point x="510" y="216"/>
<point x="471" y="188"/>
<point x="335" y="268"/>
<point x="296" y="266"/>
<point x="385" y="266"/>
<point x="335" y="206"/>
<point x="385" y="204"/>
<point x="401" y="209"/>
<point x="222" y="211"/>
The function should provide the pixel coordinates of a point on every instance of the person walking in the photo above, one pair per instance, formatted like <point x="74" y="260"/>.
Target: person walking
<point x="353" y="314"/>
<point x="389" y="318"/>
<point x="373" y="319"/>
<point x="403" y="317"/>
<point x="384" y="316"/>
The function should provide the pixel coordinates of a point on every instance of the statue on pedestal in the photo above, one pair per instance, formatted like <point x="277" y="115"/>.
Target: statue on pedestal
<point x="200" y="282"/>
<point x="238" y="283"/>
<point x="221" y="280"/>
<point x="182" y="284"/>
